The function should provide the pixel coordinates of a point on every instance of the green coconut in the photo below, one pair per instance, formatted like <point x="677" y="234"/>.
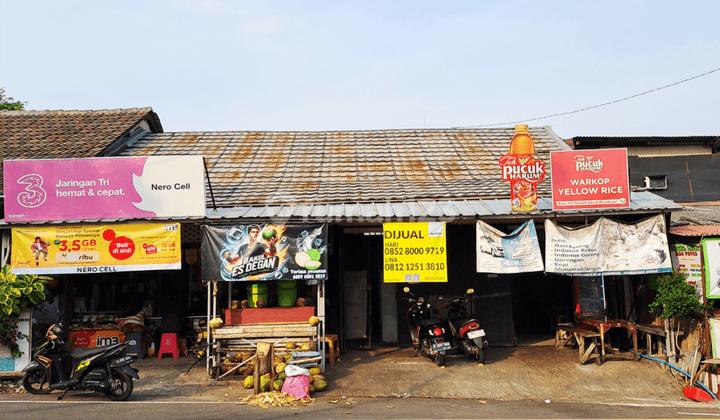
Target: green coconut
<point x="249" y="382"/>
<point x="278" y="384"/>
<point x="265" y="384"/>
<point x="314" y="254"/>
<point x="301" y="258"/>
<point x="320" y="385"/>
<point x="313" y="265"/>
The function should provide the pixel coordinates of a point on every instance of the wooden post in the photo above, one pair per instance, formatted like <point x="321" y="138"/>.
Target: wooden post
<point x="263" y="364"/>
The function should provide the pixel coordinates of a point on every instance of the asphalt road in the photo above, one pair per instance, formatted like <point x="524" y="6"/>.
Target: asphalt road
<point x="89" y="406"/>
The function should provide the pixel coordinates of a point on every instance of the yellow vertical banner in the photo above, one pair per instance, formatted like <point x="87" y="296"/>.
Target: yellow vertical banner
<point x="95" y="248"/>
<point x="414" y="252"/>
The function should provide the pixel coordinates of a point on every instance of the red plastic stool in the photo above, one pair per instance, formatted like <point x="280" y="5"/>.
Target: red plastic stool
<point x="169" y="344"/>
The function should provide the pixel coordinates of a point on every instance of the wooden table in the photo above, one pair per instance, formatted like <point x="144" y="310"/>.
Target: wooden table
<point x="603" y="324"/>
<point x="580" y="334"/>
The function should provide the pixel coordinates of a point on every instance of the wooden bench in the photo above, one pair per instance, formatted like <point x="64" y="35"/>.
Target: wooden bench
<point x="580" y="334"/>
<point x="653" y="330"/>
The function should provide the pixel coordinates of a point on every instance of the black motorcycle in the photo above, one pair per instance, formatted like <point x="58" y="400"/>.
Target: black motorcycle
<point x="426" y="329"/>
<point x="465" y="329"/>
<point x="105" y="370"/>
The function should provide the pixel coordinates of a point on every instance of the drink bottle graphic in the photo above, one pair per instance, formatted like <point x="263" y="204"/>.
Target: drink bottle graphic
<point x="522" y="170"/>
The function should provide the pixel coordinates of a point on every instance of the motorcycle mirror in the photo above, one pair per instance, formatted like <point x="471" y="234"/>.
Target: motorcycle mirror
<point x="406" y="289"/>
<point x="470" y="291"/>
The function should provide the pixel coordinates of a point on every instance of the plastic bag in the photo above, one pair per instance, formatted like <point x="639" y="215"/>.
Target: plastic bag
<point x="297" y="386"/>
<point x="293" y="370"/>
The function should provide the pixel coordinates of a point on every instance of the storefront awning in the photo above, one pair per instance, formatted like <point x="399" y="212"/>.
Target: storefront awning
<point x="444" y="210"/>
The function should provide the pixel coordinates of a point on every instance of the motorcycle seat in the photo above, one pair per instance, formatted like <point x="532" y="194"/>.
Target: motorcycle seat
<point x="428" y="322"/>
<point x="81" y="353"/>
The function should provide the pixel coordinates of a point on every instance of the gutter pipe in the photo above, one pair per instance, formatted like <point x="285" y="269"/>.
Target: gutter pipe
<point x="702" y="385"/>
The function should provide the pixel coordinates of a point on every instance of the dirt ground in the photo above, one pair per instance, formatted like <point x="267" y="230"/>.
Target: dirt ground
<point x="535" y="373"/>
<point x="509" y="374"/>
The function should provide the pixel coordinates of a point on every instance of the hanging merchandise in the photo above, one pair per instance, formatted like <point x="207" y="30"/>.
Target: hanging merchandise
<point x="518" y="252"/>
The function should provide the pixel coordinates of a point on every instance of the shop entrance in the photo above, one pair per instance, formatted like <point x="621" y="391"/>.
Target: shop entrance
<point x="538" y="302"/>
<point x="370" y="309"/>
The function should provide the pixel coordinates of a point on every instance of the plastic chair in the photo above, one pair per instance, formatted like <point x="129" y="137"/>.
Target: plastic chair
<point x="169" y="344"/>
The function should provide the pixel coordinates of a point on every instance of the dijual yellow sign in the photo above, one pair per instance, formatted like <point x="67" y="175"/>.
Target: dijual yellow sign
<point x="95" y="248"/>
<point x="414" y="253"/>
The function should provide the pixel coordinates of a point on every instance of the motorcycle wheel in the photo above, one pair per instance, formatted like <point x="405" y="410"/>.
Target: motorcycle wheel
<point x="440" y="359"/>
<point x="121" y="386"/>
<point x="479" y="355"/>
<point x="36" y="381"/>
<point x="479" y="352"/>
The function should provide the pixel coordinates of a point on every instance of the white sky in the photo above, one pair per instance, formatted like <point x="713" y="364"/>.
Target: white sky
<point x="216" y="65"/>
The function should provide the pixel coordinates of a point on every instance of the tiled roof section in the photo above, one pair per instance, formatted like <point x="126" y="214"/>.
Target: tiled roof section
<point x="65" y="134"/>
<point x="251" y="168"/>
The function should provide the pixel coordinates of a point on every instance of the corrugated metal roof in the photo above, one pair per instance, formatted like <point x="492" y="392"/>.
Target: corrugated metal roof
<point x="640" y="202"/>
<point x="378" y="212"/>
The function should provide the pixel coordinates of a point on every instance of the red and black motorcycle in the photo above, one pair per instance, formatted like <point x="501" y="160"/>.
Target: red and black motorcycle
<point x="465" y="329"/>
<point x="427" y="330"/>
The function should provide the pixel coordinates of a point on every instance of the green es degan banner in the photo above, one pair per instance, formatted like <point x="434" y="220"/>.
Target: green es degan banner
<point x="257" y="252"/>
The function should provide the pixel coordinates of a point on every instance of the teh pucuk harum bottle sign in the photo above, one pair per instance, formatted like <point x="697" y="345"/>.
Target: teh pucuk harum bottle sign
<point x="522" y="170"/>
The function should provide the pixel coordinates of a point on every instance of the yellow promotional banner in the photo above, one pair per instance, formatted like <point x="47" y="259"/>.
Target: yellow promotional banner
<point x="95" y="248"/>
<point x="414" y="253"/>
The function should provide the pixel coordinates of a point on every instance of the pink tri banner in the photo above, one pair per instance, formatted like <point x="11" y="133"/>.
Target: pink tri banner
<point x="104" y="188"/>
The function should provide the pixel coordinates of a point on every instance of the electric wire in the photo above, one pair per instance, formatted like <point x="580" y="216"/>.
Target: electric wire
<point x="594" y="106"/>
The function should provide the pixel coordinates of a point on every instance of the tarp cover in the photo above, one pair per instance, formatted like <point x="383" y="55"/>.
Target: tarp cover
<point x="256" y="252"/>
<point x="608" y="247"/>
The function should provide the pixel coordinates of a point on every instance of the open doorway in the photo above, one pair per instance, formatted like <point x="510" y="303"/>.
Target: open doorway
<point x="539" y="301"/>
<point x="370" y="312"/>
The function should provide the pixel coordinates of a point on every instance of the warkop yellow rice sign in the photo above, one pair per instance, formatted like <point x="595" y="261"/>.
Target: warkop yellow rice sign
<point x="414" y="253"/>
<point x="95" y="248"/>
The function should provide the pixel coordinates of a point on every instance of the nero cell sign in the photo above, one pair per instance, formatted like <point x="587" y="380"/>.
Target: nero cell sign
<point x="104" y="188"/>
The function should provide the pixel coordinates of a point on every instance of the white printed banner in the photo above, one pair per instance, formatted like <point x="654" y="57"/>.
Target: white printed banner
<point x="518" y="252"/>
<point x="711" y="258"/>
<point x="608" y="247"/>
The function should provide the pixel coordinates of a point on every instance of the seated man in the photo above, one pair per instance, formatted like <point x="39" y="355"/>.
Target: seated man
<point x="136" y="323"/>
